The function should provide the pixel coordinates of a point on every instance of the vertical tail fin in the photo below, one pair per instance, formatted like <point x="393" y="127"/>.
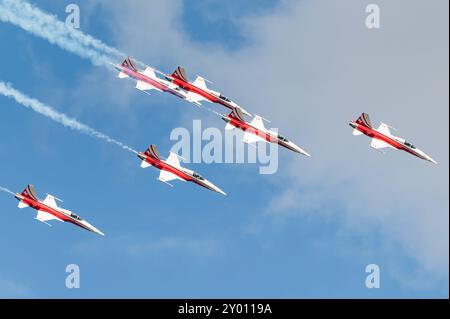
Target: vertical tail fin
<point x="153" y="152"/>
<point x="237" y="114"/>
<point x="30" y="192"/>
<point x="364" y="119"/>
<point x="128" y="63"/>
<point x="180" y="74"/>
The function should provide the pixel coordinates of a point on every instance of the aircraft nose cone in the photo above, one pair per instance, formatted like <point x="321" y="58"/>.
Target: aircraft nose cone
<point x="214" y="188"/>
<point x="304" y="152"/>
<point x="426" y="157"/>
<point x="431" y="160"/>
<point x="299" y="150"/>
<point x="100" y="233"/>
<point x="218" y="190"/>
<point x="93" y="229"/>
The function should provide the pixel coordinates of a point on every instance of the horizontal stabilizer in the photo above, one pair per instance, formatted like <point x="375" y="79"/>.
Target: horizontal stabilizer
<point x="145" y="164"/>
<point x="356" y="132"/>
<point x="22" y="204"/>
<point x="229" y="126"/>
<point x="122" y="75"/>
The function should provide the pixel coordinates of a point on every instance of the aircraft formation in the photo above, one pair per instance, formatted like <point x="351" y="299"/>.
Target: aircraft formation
<point x="196" y="92"/>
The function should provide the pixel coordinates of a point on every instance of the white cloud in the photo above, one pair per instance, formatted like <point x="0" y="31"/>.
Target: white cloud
<point x="311" y="67"/>
<point x="11" y="289"/>
<point x="142" y="248"/>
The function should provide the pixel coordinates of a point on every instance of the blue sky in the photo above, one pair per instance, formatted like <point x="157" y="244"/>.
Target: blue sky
<point x="294" y="234"/>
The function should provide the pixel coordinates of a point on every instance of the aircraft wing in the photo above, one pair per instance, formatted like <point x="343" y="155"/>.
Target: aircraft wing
<point x="251" y="138"/>
<point x="145" y="164"/>
<point x="144" y="86"/>
<point x="229" y="126"/>
<point x="173" y="160"/>
<point x="149" y="72"/>
<point x="50" y="201"/>
<point x="195" y="98"/>
<point x="378" y="144"/>
<point x="166" y="176"/>
<point x="384" y="129"/>
<point x="44" y="216"/>
<point x="258" y="123"/>
<point x="200" y="83"/>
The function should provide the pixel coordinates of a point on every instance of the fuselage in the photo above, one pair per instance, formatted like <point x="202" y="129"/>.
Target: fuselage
<point x="158" y="84"/>
<point x="183" y="173"/>
<point x="393" y="141"/>
<point x="214" y="98"/>
<point x="268" y="136"/>
<point x="61" y="214"/>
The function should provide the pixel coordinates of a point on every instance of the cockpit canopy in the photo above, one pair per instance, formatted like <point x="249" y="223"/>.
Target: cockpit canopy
<point x="282" y="138"/>
<point x="409" y="145"/>
<point x="198" y="176"/>
<point x="224" y="98"/>
<point x="75" y="216"/>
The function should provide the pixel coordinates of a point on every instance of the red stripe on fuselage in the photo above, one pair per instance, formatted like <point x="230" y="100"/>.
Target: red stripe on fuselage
<point x="42" y="207"/>
<point x="253" y="130"/>
<point x="167" y="167"/>
<point x="195" y="89"/>
<point x="389" y="140"/>
<point x="141" y="77"/>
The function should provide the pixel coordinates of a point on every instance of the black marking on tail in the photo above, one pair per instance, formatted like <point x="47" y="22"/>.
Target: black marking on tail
<point x="237" y="114"/>
<point x="152" y="151"/>
<point x="364" y="119"/>
<point x="129" y="64"/>
<point x="180" y="74"/>
<point x="30" y="192"/>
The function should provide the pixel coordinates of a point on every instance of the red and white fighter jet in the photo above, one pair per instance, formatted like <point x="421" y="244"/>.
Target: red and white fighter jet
<point x="49" y="210"/>
<point x="255" y="131"/>
<point x="171" y="169"/>
<point x="382" y="137"/>
<point x="198" y="91"/>
<point x="148" y="80"/>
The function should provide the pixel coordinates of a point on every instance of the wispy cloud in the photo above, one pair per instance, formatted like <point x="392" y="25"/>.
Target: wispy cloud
<point x="138" y="247"/>
<point x="12" y="289"/>
<point x="311" y="76"/>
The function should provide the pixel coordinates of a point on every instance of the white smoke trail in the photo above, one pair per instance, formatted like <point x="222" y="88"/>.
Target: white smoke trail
<point x="4" y="189"/>
<point x="7" y="90"/>
<point x="34" y="20"/>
